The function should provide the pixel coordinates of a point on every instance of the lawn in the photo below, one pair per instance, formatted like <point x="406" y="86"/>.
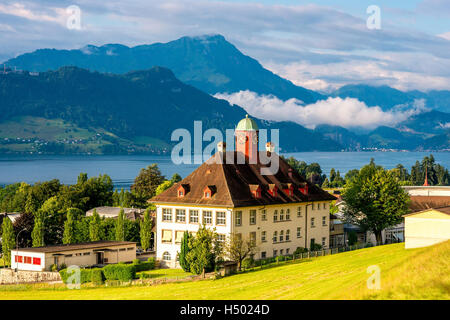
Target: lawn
<point x="405" y="274"/>
<point x="166" y="273"/>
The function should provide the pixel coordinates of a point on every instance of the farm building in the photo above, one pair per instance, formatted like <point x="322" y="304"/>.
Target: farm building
<point x="80" y="254"/>
<point x="427" y="227"/>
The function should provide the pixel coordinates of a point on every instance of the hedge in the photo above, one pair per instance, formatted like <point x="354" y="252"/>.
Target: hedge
<point x="97" y="276"/>
<point x="144" y="266"/>
<point x="85" y="275"/>
<point x="122" y="272"/>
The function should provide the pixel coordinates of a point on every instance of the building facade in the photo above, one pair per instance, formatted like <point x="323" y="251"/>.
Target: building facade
<point x="80" y="254"/>
<point x="280" y="212"/>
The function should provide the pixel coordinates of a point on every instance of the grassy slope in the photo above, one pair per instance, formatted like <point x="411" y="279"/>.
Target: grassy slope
<point x="405" y="274"/>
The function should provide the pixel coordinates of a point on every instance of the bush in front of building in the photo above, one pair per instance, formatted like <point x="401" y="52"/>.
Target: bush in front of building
<point x="300" y="250"/>
<point x="248" y="263"/>
<point x="144" y="266"/>
<point x="85" y="274"/>
<point x="122" y="272"/>
<point x="97" y="276"/>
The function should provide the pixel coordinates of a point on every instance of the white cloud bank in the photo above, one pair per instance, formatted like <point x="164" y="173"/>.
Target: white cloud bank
<point x="348" y="112"/>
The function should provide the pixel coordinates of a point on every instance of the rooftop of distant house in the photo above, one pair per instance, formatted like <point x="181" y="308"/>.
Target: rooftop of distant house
<point x="113" y="212"/>
<point x="103" y="244"/>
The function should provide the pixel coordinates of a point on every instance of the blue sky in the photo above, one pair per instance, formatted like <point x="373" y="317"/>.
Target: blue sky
<point x="320" y="44"/>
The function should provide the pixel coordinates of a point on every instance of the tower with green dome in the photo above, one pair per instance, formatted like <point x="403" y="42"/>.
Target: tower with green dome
<point x="246" y="133"/>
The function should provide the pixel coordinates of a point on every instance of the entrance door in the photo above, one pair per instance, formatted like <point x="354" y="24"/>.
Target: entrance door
<point x="99" y="257"/>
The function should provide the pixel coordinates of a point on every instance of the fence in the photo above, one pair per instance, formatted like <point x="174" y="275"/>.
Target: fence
<point x="308" y="255"/>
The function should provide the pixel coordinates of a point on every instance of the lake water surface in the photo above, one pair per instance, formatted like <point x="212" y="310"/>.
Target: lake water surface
<point x="123" y="169"/>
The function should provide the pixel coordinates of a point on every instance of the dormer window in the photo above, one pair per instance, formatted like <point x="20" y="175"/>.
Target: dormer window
<point x="288" y="188"/>
<point x="182" y="190"/>
<point x="304" y="188"/>
<point x="209" y="191"/>
<point x="273" y="190"/>
<point x="255" y="189"/>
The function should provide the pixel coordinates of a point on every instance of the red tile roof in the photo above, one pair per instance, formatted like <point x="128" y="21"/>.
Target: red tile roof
<point x="232" y="183"/>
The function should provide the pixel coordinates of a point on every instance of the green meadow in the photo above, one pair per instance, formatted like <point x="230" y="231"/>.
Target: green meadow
<point x="405" y="274"/>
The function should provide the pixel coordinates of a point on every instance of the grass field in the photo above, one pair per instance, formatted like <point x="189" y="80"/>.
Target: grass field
<point x="405" y="274"/>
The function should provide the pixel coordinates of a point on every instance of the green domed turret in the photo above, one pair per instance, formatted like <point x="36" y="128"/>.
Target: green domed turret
<point x="247" y="124"/>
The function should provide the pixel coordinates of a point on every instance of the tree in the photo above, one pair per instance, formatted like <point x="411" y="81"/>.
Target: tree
<point x="146" y="230"/>
<point x="39" y="230"/>
<point x="351" y="174"/>
<point x="176" y="178"/>
<point x="8" y="240"/>
<point x="184" y="250"/>
<point x="94" y="227"/>
<point x="163" y="187"/>
<point x="147" y="181"/>
<point x="69" y="227"/>
<point x="120" y="226"/>
<point x="238" y="248"/>
<point x="374" y="200"/>
<point x="25" y="221"/>
<point x="201" y="255"/>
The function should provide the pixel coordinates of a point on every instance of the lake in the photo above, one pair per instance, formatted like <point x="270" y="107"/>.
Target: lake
<point x="124" y="168"/>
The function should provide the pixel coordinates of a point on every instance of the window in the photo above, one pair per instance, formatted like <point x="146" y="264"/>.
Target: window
<point x="167" y="236"/>
<point x="288" y="234"/>
<point x="275" y="234"/>
<point x="312" y="222"/>
<point x="123" y="249"/>
<point x="263" y="215"/>
<point x="312" y="206"/>
<point x="299" y="212"/>
<point x="130" y="248"/>
<point x="263" y="236"/>
<point x="193" y="216"/>
<point x="324" y="205"/>
<point x="263" y="255"/>
<point x="324" y="220"/>
<point x="221" y="237"/>
<point x="179" y="236"/>
<point x="37" y="261"/>
<point x="238" y="218"/>
<point x="88" y="253"/>
<point x="27" y="260"/>
<point x="207" y="194"/>
<point x="65" y="256"/>
<point x="253" y="237"/>
<point x="221" y="218"/>
<point x="207" y="217"/>
<point x="287" y="251"/>
<point x="281" y="252"/>
<point x="252" y="216"/>
<point x="166" y="256"/>
<point x="324" y="242"/>
<point x="18" y="259"/>
<point x="180" y="193"/>
<point x="288" y="214"/>
<point x="167" y="214"/>
<point x="180" y="215"/>
<point x="299" y="232"/>
<point x="281" y="215"/>
<point x="281" y="236"/>
<point x="275" y="253"/>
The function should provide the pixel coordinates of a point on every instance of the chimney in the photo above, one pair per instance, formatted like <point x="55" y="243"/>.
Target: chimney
<point x="269" y="147"/>
<point x="222" y="147"/>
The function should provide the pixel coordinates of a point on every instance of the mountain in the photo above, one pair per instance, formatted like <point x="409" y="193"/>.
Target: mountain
<point x="73" y="110"/>
<point x="343" y="136"/>
<point x="386" y="97"/>
<point x="209" y="63"/>
<point x="432" y="122"/>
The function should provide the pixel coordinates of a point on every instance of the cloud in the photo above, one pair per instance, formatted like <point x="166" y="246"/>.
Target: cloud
<point x="348" y="112"/>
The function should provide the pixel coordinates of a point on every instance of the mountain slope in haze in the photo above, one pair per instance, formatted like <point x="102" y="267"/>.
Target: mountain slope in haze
<point x="136" y="108"/>
<point x="386" y="97"/>
<point x="209" y="63"/>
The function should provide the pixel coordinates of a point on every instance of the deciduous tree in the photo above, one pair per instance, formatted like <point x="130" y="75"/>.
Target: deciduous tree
<point x="8" y="240"/>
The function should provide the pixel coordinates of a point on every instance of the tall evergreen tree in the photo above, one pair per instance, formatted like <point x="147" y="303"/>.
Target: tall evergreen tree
<point x="184" y="250"/>
<point x="8" y="240"/>
<point x="146" y="230"/>
<point x="39" y="230"/>
<point x="94" y="227"/>
<point x="69" y="228"/>
<point x="120" y="226"/>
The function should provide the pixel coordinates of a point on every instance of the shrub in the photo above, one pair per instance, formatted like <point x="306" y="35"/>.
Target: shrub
<point x="54" y="268"/>
<point x="136" y="261"/>
<point x="62" y="266"/>
<point x="316" y="247"/>
<point x="145" y="276"/>
<point x="300" y="250"/>
<point x="85" y="275"/>
<point x="97" y="276"/>
<point x="152" y="262"/>
<point x="248" y="263"/>
<point x="122" y="272"/>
